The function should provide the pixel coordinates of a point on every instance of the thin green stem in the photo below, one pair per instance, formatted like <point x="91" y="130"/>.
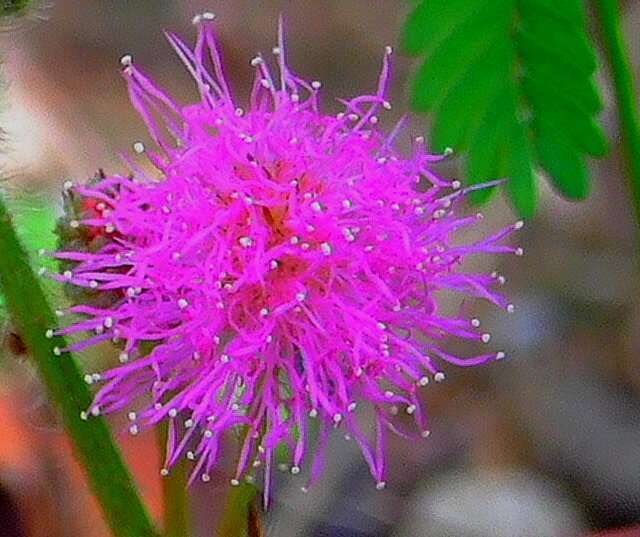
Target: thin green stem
<point x="108" y="476"/>
<point x="242" y="516"/>
<point x="175" y="496"/>
<point x="625" y="90"/>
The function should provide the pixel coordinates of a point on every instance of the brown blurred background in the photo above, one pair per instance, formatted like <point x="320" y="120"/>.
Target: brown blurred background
<point x="546" y="443"/>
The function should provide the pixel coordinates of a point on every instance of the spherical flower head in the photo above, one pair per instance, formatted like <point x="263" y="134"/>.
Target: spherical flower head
<point x="283" y="268"/>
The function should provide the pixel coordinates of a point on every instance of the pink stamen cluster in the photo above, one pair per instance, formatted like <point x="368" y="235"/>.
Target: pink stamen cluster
<point x="284" y="267"/>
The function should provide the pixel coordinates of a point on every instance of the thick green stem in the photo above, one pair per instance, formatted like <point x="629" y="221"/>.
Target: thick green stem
<point x="242" y="516"/>
<point x="625" y="90"/>
<point x="94" y="446"/>
<point x="175" y="495"/>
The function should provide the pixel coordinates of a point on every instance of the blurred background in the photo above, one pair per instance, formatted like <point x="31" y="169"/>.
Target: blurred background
<point x="546" y="443"/>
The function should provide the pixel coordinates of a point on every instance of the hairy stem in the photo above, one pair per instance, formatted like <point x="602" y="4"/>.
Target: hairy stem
<point x="625" y="90"/>
<point x="95" y="449"/>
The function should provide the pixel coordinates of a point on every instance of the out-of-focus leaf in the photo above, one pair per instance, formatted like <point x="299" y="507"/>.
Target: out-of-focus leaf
<point x="511" y="82"/>
<point x="12" y="7"/>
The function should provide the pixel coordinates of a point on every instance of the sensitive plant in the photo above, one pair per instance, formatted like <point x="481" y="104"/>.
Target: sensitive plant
<point x="283" y="266"/>
<point x="29" y="308"/>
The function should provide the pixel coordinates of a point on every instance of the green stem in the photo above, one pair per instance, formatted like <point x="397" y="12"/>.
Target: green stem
<point x="175" y="496"/>
<point x="625" y="90"/>
<point x="242" y="516"/>
<point x="109" y="478"/>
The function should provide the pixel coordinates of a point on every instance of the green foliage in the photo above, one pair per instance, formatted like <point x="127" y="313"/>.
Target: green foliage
<point x="511" y="84"/>
<point x="13" y="7"/>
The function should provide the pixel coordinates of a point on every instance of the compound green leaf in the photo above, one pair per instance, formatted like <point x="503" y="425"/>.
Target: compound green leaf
<point x="431" y="22"/>
<point x="487" y="157"/>
<point x="571" y="12"/>
<point x="456" y="54"/>
<point x="580" y="90"/>
<point x="522" y="185"/>
<point x="512" y="83"/>
<point x="567" y="169"/>
<point x="577" y="129"/>
<point x="559" y="43"/>
<point x="466" y="104"/>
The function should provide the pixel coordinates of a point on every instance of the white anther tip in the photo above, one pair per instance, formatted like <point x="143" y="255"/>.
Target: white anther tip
<point x="206" y="16"/>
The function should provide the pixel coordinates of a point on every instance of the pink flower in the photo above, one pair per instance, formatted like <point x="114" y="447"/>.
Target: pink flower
<point x="284" y="267"/>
